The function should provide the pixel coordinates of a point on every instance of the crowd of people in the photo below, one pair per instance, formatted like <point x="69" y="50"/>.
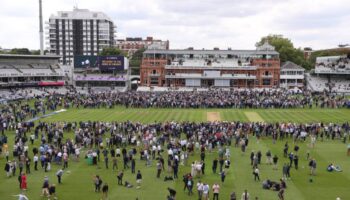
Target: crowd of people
<point x="167" y="144"/>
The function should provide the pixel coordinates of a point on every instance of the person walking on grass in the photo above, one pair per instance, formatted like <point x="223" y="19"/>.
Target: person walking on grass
<point x="256" y="174"/>
<point x="138" y="179"/>
<point x="223" y="176"/>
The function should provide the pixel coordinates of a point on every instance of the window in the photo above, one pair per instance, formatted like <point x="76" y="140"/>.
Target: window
<point x="266" y="81"/>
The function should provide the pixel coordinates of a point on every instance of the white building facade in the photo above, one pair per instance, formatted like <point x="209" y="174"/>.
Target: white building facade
<point x="292" y="75"/>
<point x="78" y="32"/>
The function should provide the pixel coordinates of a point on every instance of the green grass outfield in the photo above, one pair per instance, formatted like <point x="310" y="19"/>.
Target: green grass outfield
<point x="78" y="183"/>
<point x="198" y="115"/>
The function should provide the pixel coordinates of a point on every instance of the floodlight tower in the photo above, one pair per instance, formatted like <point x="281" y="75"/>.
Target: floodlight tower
<point x="41" y="32"/>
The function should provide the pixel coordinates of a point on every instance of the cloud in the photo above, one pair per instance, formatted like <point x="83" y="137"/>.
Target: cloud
<point x="197" y="23"/>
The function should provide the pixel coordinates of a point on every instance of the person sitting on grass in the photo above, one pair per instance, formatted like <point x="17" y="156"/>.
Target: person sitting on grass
<point x="331" y="168"/>
<point x="128" y="185"/>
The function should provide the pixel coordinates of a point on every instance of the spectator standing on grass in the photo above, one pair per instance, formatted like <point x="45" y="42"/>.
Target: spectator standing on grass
<point x="45" y="187"/>
<point x="233" y="196"/>
<point x="216" y="191"/>
<point x="20" y="181"/>
<point x="206" y="189"/>
<point x="268" y="157"/>
<point x="215" y="165"/>
<point x="200" y="189"/>
<point x="190" y="185"/>
<point x="23" y="181"/>
<point x="281" y="194"/>
<point x="36" y="159"/>
<point x="296" y="161"/>
<point x="245" y="195"/>
<point x="159" y="168"/>
<point x="98" y="183"/>
<point x="105" y="191"/>
<point x="115" y="163"/>
<point x="275" y="161"/>
<point x="133" y="165"/>
<point x="120" y="177"/>
<point x="59" y="174"/>
<point x="52" y="191"/>
<point x="312" y="165"/>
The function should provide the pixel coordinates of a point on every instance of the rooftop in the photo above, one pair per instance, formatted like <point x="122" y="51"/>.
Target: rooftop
<point x="80" y="14"/>
<point x="291" y="65"/>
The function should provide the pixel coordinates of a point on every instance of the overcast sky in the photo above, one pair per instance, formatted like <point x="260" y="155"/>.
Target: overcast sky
<point x="238" y="24"/>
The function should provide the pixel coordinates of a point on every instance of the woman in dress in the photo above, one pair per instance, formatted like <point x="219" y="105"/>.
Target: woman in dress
<point x="24" y="181"/>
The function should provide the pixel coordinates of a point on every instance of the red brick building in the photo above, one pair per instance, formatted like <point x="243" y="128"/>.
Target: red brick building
<point x="131" y="45"/>
<point x="211" y="68"/>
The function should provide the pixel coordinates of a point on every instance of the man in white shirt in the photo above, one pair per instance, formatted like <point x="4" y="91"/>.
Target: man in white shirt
<point x="200" y="189"/>
<point x="36" y="159"/>
<point x="206" y="191"/>
<point x="245" y="195"/>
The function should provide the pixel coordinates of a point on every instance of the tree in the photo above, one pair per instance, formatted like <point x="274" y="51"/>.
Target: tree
<point x="286" y="49"/>
<point x="22" y="51"/>
<point x="111" y="51"/>
<point x="135" y="61"/>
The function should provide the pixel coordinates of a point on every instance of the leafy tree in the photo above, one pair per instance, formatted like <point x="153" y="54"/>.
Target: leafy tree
<point x="22" y="51"/>
<point x="135" y="61"/>
<point x="111" y="51"/>
<point x="286" y="49"/>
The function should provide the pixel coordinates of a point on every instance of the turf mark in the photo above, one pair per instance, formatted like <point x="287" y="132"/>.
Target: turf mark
<point x="253" y="117"/>
<point x="213" y="116"/>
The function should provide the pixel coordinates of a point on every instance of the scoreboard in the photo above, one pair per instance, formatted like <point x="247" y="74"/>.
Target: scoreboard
<point x="111" y="63"/>
<point x="102" y="63"/>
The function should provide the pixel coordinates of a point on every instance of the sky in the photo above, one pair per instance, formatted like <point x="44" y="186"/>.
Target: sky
<point x="236" y="24"/>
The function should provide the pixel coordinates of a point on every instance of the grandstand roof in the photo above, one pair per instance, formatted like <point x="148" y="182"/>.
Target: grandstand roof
<point x="291" y="66"/>
<point x="29" y="56"/>
<point x="217" y="52"/>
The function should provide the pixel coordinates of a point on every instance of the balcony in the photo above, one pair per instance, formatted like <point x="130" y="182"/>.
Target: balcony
<point x="222" y="77"/>
<point x="267" y="76"/>
<point x="153" y="75"/>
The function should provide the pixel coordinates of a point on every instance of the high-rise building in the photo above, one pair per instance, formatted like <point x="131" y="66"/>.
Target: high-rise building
<point x="79" y="32"/>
